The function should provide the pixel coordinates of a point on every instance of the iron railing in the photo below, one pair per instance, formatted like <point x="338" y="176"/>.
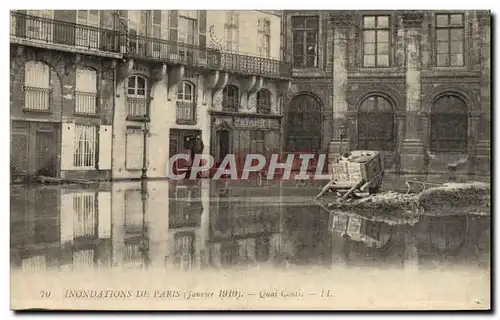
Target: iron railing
<point x="60" y="32"/>
<point x="52" y="31"/>
<point x="142" y="47"/>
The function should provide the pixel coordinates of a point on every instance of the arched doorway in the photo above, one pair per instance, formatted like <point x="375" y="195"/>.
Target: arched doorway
<point x="304" y="124"/>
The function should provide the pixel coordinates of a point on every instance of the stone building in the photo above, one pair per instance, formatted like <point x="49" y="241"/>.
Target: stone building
<point x="415" y="85"/>
<point x="61" y="101"/>
<point x="113" y="94"/>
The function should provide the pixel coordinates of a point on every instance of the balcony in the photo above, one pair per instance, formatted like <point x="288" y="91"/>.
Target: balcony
<point x="147" y="48"/>
<point x="65" y="36"/>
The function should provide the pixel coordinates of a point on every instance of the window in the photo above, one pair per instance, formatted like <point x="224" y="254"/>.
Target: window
<point x="136" y="96"/>
<point x="134" y="149"/>
<point x="305" y="41"/>
<point x="264" y="38"/>
<point x="87" y="37"/>
<point x="86" y="91"/>
<point x="41" y="27"/>
<point x="376" y="43"/>
<point x="160" y="31"/>
<point x="231" y="31"/>
<point x="84" y="208"/>
<point x="137" y="22"/>
<point x="450" y="34"/>
<point x="263" y="101"/>
<point x="230" y="98"/>
<point x="36" y="86"/>
<point x="185" y="103"/>
<point x="85" y="147"/>
<point x="186" y="30"/>
<point x="376" y="124"/>
<point x="449" y="124"/>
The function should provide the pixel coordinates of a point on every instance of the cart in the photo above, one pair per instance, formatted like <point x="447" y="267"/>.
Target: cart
<point x="355" y="171"/>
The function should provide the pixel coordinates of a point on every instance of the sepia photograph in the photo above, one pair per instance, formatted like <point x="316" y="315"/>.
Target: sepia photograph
<point x="285" y="159"/>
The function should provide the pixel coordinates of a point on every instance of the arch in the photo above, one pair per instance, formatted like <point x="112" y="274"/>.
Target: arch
<point x="467" y="95"/>
<point x="376" y="123"/>
<point x="186" y="91"/>
<point x="449" y="123"/>
<point x="304" y="123"/>
<point x="394" y="96"/>
<point x="263" y="101"/>
<point x="231" y="98"/>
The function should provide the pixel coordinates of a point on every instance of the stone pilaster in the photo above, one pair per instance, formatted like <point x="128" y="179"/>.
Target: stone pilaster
<point x="483" y="142"/>
<point x="412" y="155"/>
<point x="400" y="128"/>
<point x="474" y="122"/>
<point x="341" y="22"/>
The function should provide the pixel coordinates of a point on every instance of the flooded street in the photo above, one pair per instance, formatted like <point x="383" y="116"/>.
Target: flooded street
<point x="239" y="230"/>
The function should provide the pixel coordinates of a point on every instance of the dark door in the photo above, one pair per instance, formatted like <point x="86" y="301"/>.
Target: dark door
<point x="223" y="144"/>
<point x="45" y="156"/>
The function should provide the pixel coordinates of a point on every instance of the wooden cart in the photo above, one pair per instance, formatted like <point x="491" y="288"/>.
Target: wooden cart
<point x="355" y="171"/>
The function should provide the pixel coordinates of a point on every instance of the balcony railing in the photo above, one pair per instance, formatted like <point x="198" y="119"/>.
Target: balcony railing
<point x="43" y="30"/>
<point x="171" y="51"/>
<point x="174" y="52"/>
<point x="36" y="99"/>
<point x="136" y="106"/>
<point x="59" y="32"/>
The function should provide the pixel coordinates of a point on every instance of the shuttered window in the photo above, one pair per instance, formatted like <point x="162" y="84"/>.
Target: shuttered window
<point x="36" y="86"/>
<point x="86" y="91"/>
<point x="134" y="149"/>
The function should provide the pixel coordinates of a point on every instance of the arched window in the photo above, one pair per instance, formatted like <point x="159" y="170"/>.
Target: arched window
<point x="185" y="103"/>
<point x="263" y="101"/>
<point x="303" y="125"/>
<point x="136" y="96"/>
<point x="230" y="98"/>
<point x="36" y="86"/>
<point x="449" y="124"/>
<point x="376" y="124"/>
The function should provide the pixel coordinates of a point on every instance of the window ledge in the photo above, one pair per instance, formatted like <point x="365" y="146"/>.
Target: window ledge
<point x="133" y="169"/>
<point x="138" y="118"/>
<point x="27" y="110"/>
<point x="89" y="115"/>
<point x="189" y="122"/>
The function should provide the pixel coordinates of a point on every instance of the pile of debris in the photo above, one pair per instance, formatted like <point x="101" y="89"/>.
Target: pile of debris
<point x="446" y="199"/>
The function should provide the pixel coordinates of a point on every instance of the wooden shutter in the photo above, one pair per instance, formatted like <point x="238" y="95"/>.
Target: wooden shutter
<point x="67" y="143"/>
<point x="202" y="33"/>
<point x="105" y="147"/>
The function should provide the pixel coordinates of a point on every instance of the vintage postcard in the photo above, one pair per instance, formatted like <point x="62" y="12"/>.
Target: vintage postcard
<point x="250" y="159"/>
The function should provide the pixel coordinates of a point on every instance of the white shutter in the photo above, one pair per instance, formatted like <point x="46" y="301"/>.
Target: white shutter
<point x="104" y="227"/>
<point x="67" y="146"/>
<point x="67" y="215"/>
<point x="105" y="147"/>
<point x="36" y="74"/>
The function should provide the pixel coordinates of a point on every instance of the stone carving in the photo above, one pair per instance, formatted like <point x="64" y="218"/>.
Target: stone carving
<point x="252" y="102"/>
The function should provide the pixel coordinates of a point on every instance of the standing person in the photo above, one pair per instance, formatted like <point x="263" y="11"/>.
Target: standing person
<point x="196" y="148"/>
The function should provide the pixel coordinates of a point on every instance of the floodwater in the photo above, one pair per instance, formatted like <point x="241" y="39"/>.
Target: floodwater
<point x="236" y="228"/>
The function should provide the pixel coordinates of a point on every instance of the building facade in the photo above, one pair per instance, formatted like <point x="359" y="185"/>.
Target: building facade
<point x="415" y="85"/>
<point x="113" y="94"/>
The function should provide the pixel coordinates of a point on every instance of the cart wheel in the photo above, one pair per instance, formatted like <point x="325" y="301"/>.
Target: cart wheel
<point x="374" y="190"/>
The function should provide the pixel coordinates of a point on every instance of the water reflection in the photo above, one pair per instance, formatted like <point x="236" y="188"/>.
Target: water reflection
<point x="191" y="225"/>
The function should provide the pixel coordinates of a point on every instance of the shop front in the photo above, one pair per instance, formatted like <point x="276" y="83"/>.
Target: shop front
<point x="244" y="134"/>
